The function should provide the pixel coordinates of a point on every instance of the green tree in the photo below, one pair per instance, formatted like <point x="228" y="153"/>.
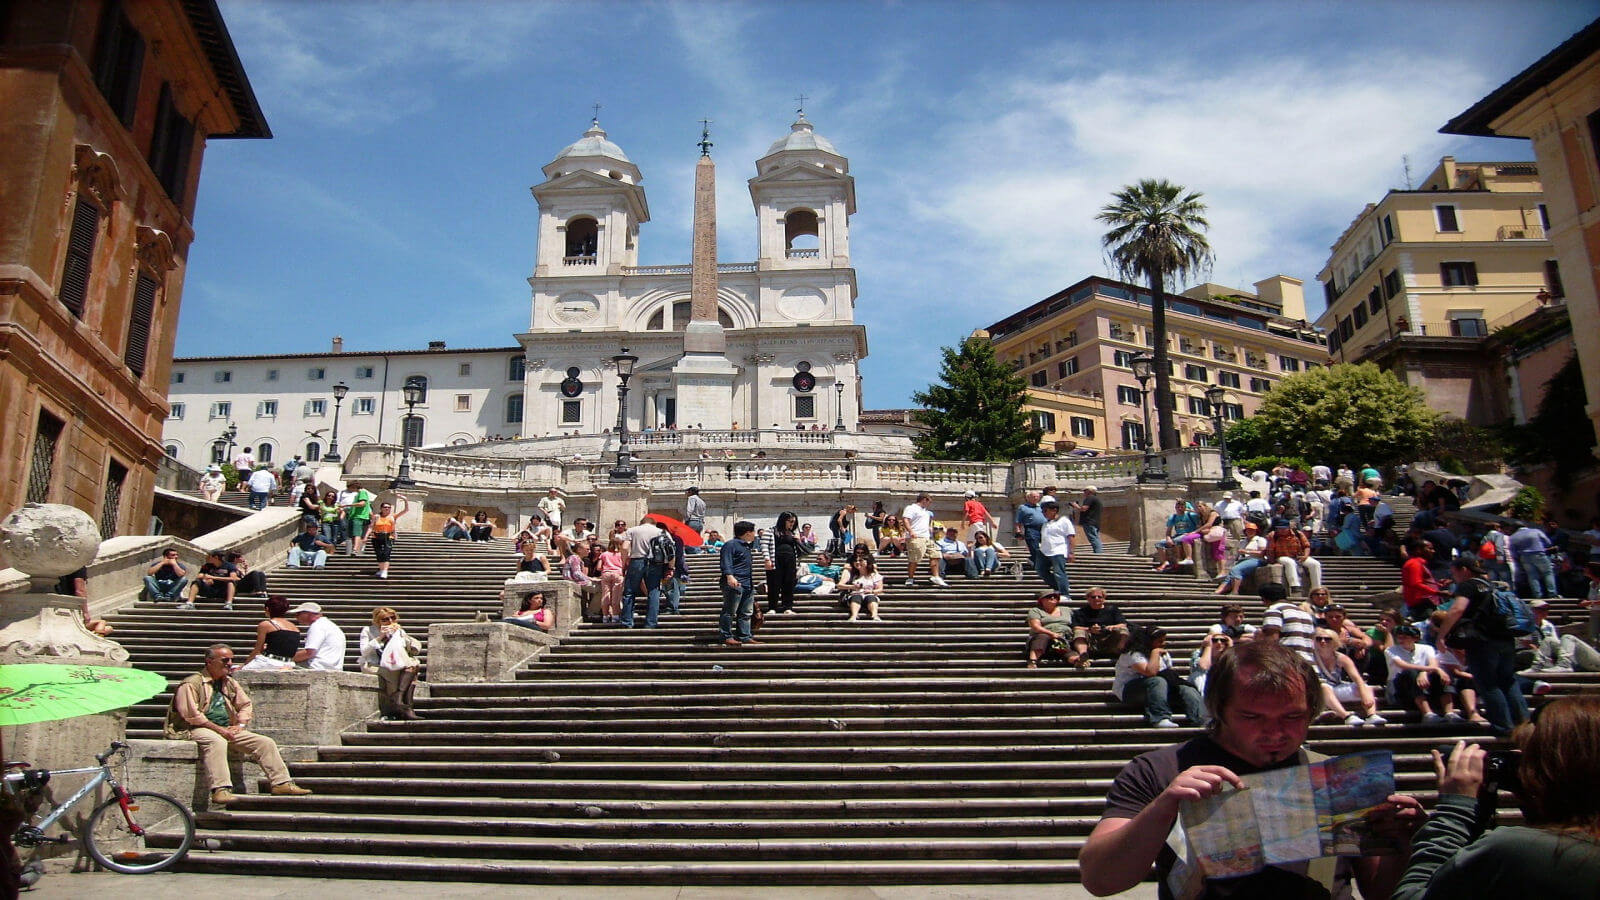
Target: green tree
<point x="1353" y="414"/>
<point x="1156" y="236"/>
<point x="1244" y="439"/>
<point x="1559" y="432"/>
<point x="976" y="412"/>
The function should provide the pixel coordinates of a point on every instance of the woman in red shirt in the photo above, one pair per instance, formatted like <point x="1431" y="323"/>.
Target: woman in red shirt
<point x="1417" y="586"/>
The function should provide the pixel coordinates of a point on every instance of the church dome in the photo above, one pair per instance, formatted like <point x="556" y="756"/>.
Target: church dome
<point x="594" y="143"/>
<point x="802" y="137"/>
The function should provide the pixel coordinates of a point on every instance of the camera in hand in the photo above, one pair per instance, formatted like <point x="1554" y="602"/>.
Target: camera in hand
<point x="1499" y="773"/>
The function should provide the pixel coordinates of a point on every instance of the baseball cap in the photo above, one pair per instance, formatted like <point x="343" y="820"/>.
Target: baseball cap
<point x="308" y="607"/>
<point x="1407" y="631"/>
<point x="1280" y="523"/>
<point x="1538" y="604"/>
<point x="970" y="494"/>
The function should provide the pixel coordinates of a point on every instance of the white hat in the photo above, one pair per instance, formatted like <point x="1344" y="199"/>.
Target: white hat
<point x="1227" y="495"/>
<point x="213" y="468"/>
<point x="970" y="494"/>
<point x="309" y="607"/>
<point x="1092" y="489"/>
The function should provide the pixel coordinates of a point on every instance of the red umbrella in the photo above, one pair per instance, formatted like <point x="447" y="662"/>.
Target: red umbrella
<point x="689" y="536"/>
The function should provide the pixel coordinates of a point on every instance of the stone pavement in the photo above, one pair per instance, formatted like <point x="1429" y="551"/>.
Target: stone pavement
<point x="186" y="886"/>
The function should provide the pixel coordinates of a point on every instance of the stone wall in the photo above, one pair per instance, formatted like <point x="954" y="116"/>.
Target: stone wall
<point x="188" y="517"/>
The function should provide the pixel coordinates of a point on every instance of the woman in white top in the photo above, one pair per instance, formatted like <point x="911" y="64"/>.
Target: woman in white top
<point x="389" y="652"/>
<point x="864" y="588"/>
<point x="212" y="483"/>
<point x="1252" y="553"/>
<point x="1145" y="679"/>
<point x="1342" y="683"/>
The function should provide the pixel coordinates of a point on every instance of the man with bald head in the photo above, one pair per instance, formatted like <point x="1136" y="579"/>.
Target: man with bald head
<point x="1030" y="522"/>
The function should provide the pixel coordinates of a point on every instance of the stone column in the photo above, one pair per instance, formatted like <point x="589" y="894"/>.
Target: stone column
<point x="46" y="541"/>
<point x="1149" y="507"/>
<point x="628" y="502"/>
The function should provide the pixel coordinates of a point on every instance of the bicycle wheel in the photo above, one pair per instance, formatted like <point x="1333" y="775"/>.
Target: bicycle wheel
<point x="154" y="832"/>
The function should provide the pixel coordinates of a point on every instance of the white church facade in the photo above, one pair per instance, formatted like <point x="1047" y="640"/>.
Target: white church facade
<point x="789" y="313"/>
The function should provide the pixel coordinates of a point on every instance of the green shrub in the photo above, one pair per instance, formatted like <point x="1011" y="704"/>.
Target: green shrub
<point x="232" y="475"/>
<point x="1266" y="463"/>
<point x="1527" y="504"/>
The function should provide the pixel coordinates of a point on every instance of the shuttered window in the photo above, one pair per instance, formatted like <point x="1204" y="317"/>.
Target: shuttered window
<point x="171" y="145"/>
<point x="111" y="503"/>
<point x="118" y="62"/>
<point x="144" y="311"/>
<point x="80" y="256"/>
<point x="41" y="469"/>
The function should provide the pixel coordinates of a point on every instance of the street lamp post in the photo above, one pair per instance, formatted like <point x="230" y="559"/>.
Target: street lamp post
<point x="623" y="472"/>
<point x="1143" y="369"/>
<point x="339" y="390"/>
<point x="838" y="405"/>
<point x="412" y="390"/>
<point x="1214" y="398"/>
<point x="222" y="447"/>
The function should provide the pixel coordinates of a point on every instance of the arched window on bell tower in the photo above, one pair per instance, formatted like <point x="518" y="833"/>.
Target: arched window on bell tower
<point x="800" y="234"/>
<point x="583" y="241"/>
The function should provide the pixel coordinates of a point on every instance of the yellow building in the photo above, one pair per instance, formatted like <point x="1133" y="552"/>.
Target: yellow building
<point x="1069" y="421"/>
<point x="1078" y="344"/>
<point x="107" y="109"/>
<point x="1556" y="103"/>
<point x="1457" y="257"/>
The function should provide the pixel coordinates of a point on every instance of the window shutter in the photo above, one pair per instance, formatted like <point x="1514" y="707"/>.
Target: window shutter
<point x="80" y="256"/>
<point x="144" y="310"/>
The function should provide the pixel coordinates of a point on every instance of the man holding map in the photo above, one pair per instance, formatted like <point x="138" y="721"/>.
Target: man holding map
<point x="1262" y="698"/>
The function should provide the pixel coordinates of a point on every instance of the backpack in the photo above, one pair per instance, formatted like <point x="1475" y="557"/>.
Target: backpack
<point x="1511" y="617"/>
<point x="662" y="549"/>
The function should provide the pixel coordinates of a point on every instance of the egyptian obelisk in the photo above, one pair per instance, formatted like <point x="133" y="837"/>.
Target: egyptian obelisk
<point x="703" y="376"/>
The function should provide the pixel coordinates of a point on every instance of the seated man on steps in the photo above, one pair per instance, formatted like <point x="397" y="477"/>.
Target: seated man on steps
<point x="166" y="578"/>
<point x="213" y="710"/>
<point x="954" y="553"/>
<point x="308" y="547"/>
<point x="217" y="581"/>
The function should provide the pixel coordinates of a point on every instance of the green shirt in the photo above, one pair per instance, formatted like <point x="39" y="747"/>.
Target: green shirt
<point x="1059" y="621"/>
<point x="362" y="507"/>
<point x="217" y="711"/>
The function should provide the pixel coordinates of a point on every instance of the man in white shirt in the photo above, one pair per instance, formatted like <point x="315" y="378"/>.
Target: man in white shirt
<point x="1055" y="544"/>
<point x="642" y="573"/>
<point x="324" y="645"/>
<point x="1258" y="507"/>
<point x="954" y="553"/>
<point x="553" y="506"/>
<point x="918" y="521"/>
<point x="1231" y="512"/>
<point x="1321" y="473"/>
<point x="262" y="484"/>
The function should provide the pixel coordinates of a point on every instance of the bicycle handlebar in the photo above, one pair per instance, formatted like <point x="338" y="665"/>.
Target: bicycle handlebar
<point x="116" y="746"/>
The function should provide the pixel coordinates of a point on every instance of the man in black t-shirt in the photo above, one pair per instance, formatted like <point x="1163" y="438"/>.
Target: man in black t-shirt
<point x="1262" y="698"/>
<point x="1492" y="655"/>
<point x="1098" y="627"/>
<point x="166" y="578"/>
<point x="217" y="581"/>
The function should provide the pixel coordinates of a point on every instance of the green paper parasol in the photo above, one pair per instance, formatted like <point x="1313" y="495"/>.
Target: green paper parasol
<point x="45" y="693"/>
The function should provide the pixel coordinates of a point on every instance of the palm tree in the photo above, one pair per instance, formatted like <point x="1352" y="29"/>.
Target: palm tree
<point x="1156" y="235"/>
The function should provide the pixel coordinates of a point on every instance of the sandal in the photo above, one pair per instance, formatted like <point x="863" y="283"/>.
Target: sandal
<point x="1033" y="664"/>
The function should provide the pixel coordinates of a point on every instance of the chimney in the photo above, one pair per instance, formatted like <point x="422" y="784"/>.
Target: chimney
<point x="435" y="345"/>
<point x="338" y="344"/>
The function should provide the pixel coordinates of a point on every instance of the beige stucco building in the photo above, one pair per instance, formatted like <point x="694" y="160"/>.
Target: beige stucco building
<point x="107" y="107"/>
<point x="1556" y="103"/>
<point x="1079" y="341"/>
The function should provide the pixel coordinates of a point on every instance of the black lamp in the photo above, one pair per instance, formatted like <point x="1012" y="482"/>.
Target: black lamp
<point x="339" y="390"/>
<point x="623" y="472"/>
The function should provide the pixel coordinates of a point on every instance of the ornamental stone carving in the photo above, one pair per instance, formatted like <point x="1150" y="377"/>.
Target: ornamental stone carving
<point x="153" y="249"/>
<point x="56" y="633"/>
<point x="96" y="173"/>
<point x="48" y="540"/>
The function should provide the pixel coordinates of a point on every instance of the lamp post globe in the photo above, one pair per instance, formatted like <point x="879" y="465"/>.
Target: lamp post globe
<point x="623" y="472"/>
<point x="339" y="391"/>
<point x="414" y="389"/>
<point x="1215" y="396"/>
<point x="838" y="405"/>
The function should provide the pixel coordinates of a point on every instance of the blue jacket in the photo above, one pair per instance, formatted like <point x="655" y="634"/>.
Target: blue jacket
<point x="736" y="560"/>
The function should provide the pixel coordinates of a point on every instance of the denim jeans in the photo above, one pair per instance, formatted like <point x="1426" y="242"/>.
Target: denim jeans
<point x="156" y="593"/>
<point x="1153" y="693"/>
<point x="1493" y="665"/>
<point x="258" y="499"/>
<point x="738" y="605"/>
<point x="649" y="573"/>
<point x="674" y="591"/>
<point x="984" y="559"/>
<point x="1541" y="575"/>
<point x="1092" y="532"/>
<point x="1057" y="577"/>
<point x="1241" y="570"/>
<point x="316" y="558"/>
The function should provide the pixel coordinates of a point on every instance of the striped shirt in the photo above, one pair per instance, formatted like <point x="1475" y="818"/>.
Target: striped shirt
<point x="1296" y="627"/>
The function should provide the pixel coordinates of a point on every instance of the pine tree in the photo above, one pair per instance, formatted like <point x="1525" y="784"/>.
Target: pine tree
<point x="976" y="412"/>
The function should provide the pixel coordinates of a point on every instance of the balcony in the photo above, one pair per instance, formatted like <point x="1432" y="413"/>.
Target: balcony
<point x="1224" y="355"/>
<point x="1519" y="233"/>
<point x="812" y="253"/>
<point x="580" y="260"/>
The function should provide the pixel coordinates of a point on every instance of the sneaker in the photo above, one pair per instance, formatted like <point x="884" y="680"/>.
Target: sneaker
<point x="1376" y="720"/>
<point x="1545" y="669"/>
<point x="222" y="797"/>
<point x="790" y="612"/>
<point x="852" y="619"/>
<point x="1166" y="723"/>
<point x="1354" y="721"/>
<point x="383" y="575"/>
<point x="877" y="618"/>
<point x="1454" y="718"/>
<point x="1433" y="719"/>
<point x="1540" y="688"/>
<point x="227" y="606"/>
<point x="939" y="581"/>
<point x="910" y="582"/>
<point x="186" y="606"/>
<point x="289" y="789"/>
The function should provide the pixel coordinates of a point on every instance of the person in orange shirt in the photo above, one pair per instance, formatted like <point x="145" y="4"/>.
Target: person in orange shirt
<point x="382" y="533"/>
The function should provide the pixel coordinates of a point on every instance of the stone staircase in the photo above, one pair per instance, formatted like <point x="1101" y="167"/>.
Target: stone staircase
<point x="914" y="751"/>
<point x="431" y="580"/>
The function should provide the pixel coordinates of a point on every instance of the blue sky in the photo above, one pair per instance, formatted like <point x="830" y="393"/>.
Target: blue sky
<point x="392" y="205"/>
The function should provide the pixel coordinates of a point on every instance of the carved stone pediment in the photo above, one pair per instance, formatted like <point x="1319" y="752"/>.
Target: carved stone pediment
<point x="154" y="249"/>
<point x="97" y="174"/>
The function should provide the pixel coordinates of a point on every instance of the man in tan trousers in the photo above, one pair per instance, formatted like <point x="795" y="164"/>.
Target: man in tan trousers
<point x="214" y="711"/>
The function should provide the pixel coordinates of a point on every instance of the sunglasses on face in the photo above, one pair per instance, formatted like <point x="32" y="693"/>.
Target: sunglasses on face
<point x="1324" y="640"/>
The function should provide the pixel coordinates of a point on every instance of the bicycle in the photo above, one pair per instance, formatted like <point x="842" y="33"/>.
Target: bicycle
<point x="133" y="832"/>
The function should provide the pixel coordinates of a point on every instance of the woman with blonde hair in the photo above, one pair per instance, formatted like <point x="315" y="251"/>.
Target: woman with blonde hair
<point x="391" y="654"/>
